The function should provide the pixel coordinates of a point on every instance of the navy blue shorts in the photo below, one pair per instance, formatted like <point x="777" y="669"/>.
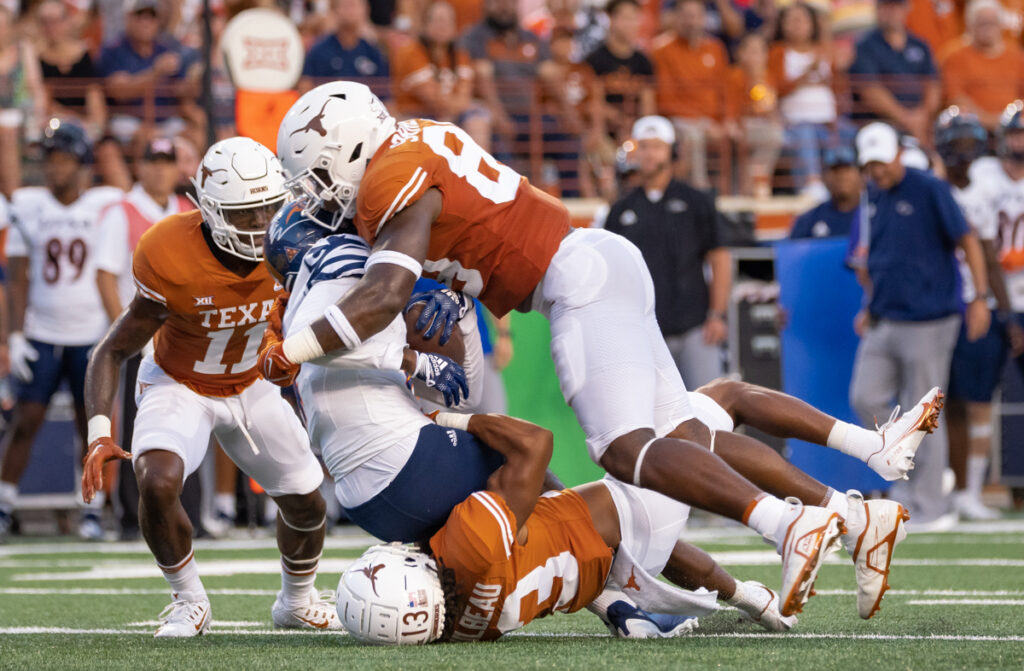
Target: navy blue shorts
<point x="446" y="466"/>
<point x="55" y="364"/>
<point x="977" y="367"/>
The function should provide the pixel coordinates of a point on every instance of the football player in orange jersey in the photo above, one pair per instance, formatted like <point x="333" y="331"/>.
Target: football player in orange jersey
<point x="204" y="297"/>
<point x="498" y="580"/>
<point x="430" y="201"/>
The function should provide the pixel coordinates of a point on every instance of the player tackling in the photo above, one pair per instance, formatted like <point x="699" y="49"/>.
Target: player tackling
<point x="203" y="296"/>
<point x="430" y="201"/>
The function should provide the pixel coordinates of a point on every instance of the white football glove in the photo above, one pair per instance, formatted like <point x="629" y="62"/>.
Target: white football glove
<point x="22" y="353"/>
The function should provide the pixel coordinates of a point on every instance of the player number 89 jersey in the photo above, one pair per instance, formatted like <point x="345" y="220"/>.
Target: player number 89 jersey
<point x="59" y="241"/>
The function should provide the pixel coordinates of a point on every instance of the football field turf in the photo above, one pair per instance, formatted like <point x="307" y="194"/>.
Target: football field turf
<point x="957" y="603"/>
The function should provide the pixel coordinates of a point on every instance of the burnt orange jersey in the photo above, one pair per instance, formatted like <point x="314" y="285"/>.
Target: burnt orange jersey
<point x="211" y="339"/>
<point x="496" y="233"/>
<point x="501" y="585"/>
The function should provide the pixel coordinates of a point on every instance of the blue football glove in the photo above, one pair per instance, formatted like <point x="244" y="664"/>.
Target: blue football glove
<point x="442" y="307"/>
<point x="439" y="372"/>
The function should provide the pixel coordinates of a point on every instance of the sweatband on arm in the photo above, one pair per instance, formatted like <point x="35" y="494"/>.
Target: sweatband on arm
<point x="99" y="427"/>
<point x="339" y="322"/>
<point x="397" y="259"/>
<point x="453" y="420"/>
<point x="302" y="346"/>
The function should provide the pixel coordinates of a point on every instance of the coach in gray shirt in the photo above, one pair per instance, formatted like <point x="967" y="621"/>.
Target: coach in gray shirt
<point x="912" y="317"/>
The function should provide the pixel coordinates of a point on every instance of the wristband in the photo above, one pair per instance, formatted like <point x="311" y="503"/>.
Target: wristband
<point x="339" y="322"/>
<point x="395" y="258"/>
<point x="453" y="420"/>
<point x="302" y="346"/>
<point x="99" y="427"/>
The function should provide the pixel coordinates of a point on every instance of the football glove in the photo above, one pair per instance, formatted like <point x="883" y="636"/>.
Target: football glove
<point x="442" y="308"/>
<point x="22" y="354"/>
<point x="100" y="452"/>
<point x="440" y="372"/>
<point x="273" y="365"/>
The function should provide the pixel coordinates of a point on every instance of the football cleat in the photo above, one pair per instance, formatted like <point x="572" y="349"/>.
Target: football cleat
<point x="89" y="527"/>
<point x="627" y="621"/>
<point x="806" y="535"/>
<point x="902" y="435"/>
<point x="316" y="613"/>
<point x="184" y="617"/>
<point x="875" y="529"/>
<point x="761" y="606"/>
<point x="969" y="507"/>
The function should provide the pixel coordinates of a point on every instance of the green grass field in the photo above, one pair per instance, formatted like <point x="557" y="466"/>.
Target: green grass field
<point x="957" y="602"/>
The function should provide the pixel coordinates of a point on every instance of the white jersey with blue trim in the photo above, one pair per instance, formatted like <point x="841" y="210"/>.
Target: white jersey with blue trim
<point x="976" y="201"/>
<point x="359" y="412"/>
<point x="1007" y="198"/>
<point x="59" y="241"/>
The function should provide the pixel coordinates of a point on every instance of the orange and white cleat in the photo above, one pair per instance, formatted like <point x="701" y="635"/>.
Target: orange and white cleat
<point x="902" y="435"/>
<point x="186" y="616"/>
<point x="806" y="535"/>
<point x="317" y="612"/>
<point x="875" y="529"/>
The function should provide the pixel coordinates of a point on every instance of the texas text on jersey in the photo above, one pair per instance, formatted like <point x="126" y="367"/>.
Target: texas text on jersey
<point x="495" y="235"/>
<point x="502" y="585"/>
<point x="211" y="338"/>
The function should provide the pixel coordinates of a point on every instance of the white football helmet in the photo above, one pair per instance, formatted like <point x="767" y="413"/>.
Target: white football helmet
<point x="325" y="142"/>
<point x="239" y="186"/>
<point x="392" y="596"/>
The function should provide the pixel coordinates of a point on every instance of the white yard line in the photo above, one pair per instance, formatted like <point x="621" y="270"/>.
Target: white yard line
<point x="115" y="570"/>
<point x="348" y="540"/>
<point x="966" y="602"/>
<point x="220" y="623"/>
<point x="16" y="631"/>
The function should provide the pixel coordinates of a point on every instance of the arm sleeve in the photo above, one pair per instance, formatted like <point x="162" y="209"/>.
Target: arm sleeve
<point x="395" y="181"/>
<point x="474" y="43"/>
<point x="801" y="227"/>
<point x="112" y="240"/>
<point x="711" y="237"/>
<point x="148" y="281"/>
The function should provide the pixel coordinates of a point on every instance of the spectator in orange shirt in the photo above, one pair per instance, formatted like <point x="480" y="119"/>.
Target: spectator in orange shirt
<point x="433" y="77"/>
<point x="987" y="72"/>
<point x="690" y="70"/>
<point x="753" y="115"/>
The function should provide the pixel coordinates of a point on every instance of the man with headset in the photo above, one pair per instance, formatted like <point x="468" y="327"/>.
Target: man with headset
<point x="676" y="228"/>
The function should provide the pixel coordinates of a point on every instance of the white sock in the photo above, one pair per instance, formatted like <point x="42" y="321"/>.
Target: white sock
<point x="977" y="469"/>
<point x="183" y="578"/>
<point x="738" y="597"/>
<point x="295" y="585"/>
<point x="599" y="606"/>
<point x="8" y="495"/>
<point x="766" y="515"/>
<point x="838" y="503"/>
<point x="225" y="503"/>
<point x="853" y="440"/>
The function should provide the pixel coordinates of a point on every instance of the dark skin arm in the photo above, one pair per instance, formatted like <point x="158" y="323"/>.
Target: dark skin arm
<point x="527" y="450"/>
<point x="125" y="338"/>
<point x="17" y="282"/>
<point x="383" y="292"/>
<point x="997" y="283"/>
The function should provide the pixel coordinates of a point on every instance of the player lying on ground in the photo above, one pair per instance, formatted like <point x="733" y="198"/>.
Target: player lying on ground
<point x="432" y="200"/>
<point x="506" y="557"/>
<point x="203" y="296"/>
<point x="385" y="455"/>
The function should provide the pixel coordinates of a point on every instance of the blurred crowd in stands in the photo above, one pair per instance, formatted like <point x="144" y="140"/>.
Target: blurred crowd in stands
<point x="757" y="89"/>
